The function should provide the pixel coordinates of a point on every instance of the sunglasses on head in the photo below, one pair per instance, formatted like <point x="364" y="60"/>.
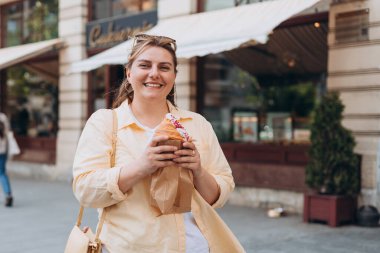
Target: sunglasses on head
<point x="144" y="37"/>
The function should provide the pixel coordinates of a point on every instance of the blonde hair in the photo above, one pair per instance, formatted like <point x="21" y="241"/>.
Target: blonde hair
<point x="141" y="42"/>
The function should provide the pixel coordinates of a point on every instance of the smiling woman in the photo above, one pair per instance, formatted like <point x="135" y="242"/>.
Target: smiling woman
<point x="137" y="61"/>
<point x="144" y="100"/>
<point x="152" y="76"/>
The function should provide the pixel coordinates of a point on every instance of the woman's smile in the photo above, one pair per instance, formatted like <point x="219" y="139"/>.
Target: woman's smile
<point x="153" y="85"/>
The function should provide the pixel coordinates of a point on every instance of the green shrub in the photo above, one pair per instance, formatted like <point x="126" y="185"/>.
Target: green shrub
<point x="333" y="167"/>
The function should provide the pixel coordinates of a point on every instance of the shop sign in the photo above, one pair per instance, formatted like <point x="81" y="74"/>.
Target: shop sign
<point x="109" y="32"/>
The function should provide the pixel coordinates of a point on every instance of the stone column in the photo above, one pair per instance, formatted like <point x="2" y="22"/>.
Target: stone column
<point x="185" y="81"/>
<point x="72" y="87"/>
<point x="354" y="71"/>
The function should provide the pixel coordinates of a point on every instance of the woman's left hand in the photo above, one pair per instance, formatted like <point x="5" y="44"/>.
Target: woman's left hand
<point x="189" y="158"/>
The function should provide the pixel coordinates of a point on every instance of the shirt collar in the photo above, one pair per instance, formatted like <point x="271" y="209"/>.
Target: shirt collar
<point x="126" y="119"/>
<point x="181" y="115"/>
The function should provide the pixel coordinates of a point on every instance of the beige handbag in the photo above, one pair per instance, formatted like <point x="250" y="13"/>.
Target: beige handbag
<point x="86" y="242"/>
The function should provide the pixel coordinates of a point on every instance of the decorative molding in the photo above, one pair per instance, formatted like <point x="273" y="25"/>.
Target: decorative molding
<point x="366" y="133"/>
<point x="355" y="44"/>
<point x="72" y="91"/>
<point x="361" y="116"/>
<point x="355" y="72"/>
<point x="83" y="5"/>
<point x="374" y="24"/>
<point x="374" y="87"/>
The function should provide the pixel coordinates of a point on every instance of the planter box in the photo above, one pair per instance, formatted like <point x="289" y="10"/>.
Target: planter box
<point x="268" y="165"/>
<point x="334" y="210"/>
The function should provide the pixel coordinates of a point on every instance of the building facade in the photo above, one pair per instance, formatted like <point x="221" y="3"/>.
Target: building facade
<point x="259" y="98"/>
<point x="354" y="71"/>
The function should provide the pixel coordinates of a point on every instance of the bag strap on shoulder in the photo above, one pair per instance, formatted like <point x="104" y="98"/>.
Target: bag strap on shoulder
<point x="112" y="162"/>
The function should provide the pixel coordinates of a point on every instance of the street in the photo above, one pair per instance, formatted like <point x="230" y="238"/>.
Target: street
<point x="45" y="212"/>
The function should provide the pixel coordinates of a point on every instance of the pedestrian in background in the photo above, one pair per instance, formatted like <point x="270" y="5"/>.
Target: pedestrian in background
<point x="145" y="97"/>
<point x="4" y="128"/>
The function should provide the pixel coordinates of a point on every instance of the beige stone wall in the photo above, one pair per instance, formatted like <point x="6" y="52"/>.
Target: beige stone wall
<point x="354" y="71"/>
<point x="185" y="85"/>
<point x="72" y="87"/>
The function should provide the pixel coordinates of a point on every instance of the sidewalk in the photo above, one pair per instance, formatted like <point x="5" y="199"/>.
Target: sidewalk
<point x="45" y="212"/>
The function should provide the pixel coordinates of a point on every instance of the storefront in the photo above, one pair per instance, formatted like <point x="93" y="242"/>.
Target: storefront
<point x="345" y="60"/>
<point x="260" y="99"/>
<point x="29" y="75"/>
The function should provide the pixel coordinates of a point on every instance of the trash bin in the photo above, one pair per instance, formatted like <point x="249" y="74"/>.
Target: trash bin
<point x="368" y="216"/>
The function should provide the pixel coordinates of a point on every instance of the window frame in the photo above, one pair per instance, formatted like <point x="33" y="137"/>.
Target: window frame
<point x="91" y="5"/>
<point x="3" y="32"/>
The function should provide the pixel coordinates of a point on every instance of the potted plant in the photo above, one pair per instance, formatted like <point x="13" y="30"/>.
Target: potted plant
<point x="333" y="169"/>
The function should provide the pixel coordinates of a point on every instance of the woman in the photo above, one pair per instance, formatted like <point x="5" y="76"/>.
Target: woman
<point x="144" y="98"/>
<point x="4" y="128"/>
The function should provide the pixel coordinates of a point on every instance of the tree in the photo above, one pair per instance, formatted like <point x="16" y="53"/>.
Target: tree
<point x="333" y="167"/>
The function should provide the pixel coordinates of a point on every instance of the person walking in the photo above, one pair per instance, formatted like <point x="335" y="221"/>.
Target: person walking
<point x="144" y="98"/>
<point x="4" y="128"/>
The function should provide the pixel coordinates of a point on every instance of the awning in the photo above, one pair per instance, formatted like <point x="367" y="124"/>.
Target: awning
<point x="12" y="55"/>
<point x="209" y="32"/>
<point x="300" y="49"/>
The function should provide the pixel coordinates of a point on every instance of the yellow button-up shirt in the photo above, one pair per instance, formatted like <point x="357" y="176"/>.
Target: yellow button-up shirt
<point x="130" y="224"/>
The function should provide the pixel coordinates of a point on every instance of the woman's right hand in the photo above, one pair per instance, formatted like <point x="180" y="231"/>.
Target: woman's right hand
<point x="153" y="158"/>
<point x="157" y="156"/>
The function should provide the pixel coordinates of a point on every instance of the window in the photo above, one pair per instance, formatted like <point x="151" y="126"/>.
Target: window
<point x="30" y="21"/>
<point x="32" y="103"/>
<point x="245" y="108"/>
<point x="103" y="85"/>
<point x="352" y="26"/>
<point x="112" y="8"/>
<point x="98" y="88"/>
<point x="13" y="24"/>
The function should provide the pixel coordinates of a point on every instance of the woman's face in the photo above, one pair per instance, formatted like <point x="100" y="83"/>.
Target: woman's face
<point x="152" y="74"/>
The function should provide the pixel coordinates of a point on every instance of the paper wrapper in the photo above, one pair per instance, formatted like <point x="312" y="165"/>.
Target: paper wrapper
<point x="171" y="187"/>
